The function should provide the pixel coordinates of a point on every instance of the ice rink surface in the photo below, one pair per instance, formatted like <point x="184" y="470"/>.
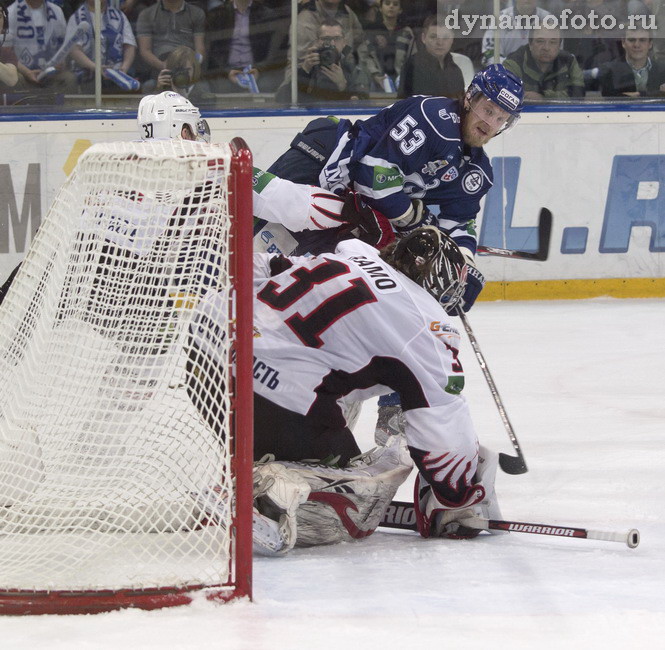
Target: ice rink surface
<point x="584" y="385"/>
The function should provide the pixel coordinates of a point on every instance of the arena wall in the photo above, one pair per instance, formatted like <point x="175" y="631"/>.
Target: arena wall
<point x="601" y="173"/>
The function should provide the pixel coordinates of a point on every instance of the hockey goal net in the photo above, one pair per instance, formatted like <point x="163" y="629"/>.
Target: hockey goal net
<point x="117" y="487"/>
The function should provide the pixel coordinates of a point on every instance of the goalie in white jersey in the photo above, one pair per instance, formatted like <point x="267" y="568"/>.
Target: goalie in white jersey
<point x="342" y="327"/>
<point x="332" y="330"/>
<point x="326" y="337"/>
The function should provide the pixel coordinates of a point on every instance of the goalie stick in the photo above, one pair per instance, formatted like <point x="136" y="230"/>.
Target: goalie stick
<point x="402" y="515"/>
<point x="544" y="236"/>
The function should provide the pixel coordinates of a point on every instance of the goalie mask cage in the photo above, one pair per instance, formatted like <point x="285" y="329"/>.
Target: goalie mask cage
<point x="125" y="478"/>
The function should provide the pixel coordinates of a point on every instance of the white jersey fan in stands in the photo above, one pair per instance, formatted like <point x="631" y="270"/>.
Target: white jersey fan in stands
<point x="107" y="469"/>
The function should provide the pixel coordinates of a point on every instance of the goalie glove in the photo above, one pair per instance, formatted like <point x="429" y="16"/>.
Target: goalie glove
<point x="365" y="223"/>
<point x="435" y="518"/>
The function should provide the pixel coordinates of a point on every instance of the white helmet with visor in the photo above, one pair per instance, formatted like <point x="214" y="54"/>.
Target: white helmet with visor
<point x="163" y="116"/>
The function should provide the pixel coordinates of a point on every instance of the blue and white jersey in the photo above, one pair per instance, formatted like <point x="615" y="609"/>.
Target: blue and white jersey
<point x="413" y="150"/>
<point x="35" y="34"/>
<point x="116" y="33"/>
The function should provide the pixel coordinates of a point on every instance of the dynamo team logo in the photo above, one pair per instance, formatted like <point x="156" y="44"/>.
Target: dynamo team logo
<point x="472" y="182"/>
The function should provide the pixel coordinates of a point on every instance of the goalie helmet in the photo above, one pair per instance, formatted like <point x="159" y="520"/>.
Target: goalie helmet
<point x="163" y="116"/>
<point x="502" y="87"/>
<point x="434" y="261"/>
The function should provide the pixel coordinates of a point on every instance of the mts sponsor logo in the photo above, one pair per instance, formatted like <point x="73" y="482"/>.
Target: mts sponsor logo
<point x="18" y="227"/>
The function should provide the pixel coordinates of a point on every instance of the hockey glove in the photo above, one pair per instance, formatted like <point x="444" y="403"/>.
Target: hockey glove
<point x="437" y="519"/>
<point x="417" y="217"/>
<point x="475" y="281"/>
<point x="365" y="223"/>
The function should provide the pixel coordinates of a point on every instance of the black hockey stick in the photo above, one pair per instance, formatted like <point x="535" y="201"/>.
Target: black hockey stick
<point x="402" y="515"/>
<point x="509" y="464"/>
<point x="544" y="235"/>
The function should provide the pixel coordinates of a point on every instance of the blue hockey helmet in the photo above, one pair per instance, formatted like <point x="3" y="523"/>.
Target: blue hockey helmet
<point x="501" y="86"/>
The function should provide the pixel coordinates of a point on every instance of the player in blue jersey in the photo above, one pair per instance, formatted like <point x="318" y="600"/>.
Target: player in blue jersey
<point x="420" y="161"/>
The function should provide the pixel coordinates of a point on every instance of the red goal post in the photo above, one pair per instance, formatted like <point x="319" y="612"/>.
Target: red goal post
<point x="117" y="487"/>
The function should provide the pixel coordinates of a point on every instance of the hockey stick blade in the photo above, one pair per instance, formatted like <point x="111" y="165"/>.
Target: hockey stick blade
<point x="509" y="464"/>
<point x="544" y="236"/>
<point x="402" y="515"/>
<point x="512" y="464"/>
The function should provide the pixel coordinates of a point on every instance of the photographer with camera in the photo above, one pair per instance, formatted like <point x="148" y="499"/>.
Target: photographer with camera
<point x="328" y="70"/>
<point x="182" y="74"/>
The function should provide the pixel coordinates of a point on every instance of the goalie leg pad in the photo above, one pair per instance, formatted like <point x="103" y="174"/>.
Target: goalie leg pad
<point x="347" y="504"/>
<point x="278" y="491"/>
<point x="267" y="537"/>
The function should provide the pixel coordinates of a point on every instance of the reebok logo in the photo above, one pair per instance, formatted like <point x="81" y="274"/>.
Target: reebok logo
<point x="341" y="505"/>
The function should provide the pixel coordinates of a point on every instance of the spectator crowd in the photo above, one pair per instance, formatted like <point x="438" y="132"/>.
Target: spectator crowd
<point x="346" y="49"/>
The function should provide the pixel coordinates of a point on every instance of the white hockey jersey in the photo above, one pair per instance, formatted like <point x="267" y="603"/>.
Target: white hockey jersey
<point x="343" y="327"/>
<point x="281" y="206"/>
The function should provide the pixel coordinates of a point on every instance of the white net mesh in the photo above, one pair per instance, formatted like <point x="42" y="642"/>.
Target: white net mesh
<point x="110" y="477"/>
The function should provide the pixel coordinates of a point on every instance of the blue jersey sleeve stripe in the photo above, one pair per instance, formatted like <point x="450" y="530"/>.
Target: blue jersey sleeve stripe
<point x="434" y="128"/>
<point x="376" y="194"/>
<point x="371" y="161"/>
